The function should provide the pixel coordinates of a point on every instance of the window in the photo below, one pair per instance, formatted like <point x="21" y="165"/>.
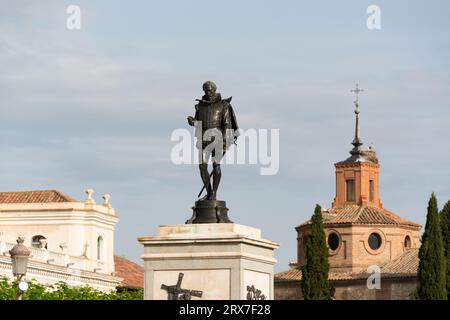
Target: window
<point x="407" y="242"/>
<point x="371" y="190"/>
<point x="333" y="241"/>
<point x="374" y="241"/>
<point x="39" y="241"/>
<point x="350" y="186"/>
<point x="100" y="249"/>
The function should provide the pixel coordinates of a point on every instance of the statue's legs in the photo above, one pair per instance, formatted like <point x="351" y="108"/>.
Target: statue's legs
<point x="217" y="174"/>
<point x="204" y="174"/>
<point x="207" y="151"/>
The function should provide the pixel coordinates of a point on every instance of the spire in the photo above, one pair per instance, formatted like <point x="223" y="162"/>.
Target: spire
<point x="357" y="153"/>
<point x="357" y="142"/>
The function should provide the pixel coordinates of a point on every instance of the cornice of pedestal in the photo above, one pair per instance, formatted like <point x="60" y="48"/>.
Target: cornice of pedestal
<point x="207" y="256"/>
<point x="219" y="239"/>
<point x="208" y="233"/>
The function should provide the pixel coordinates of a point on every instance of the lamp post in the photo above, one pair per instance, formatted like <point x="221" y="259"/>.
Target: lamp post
<point x="19" y="257"/>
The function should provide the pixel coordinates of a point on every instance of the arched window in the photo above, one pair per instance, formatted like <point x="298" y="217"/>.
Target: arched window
<point x="350" y="188"/>
<point x="371" y="190"/>
<point x="100" y="249"/>
<point x="39" y="241"/>
<point x="407" y="242"/>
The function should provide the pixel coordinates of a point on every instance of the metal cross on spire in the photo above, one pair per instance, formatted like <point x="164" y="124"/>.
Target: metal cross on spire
<point x="357" y="143"/>
<point x="357" y="90"/>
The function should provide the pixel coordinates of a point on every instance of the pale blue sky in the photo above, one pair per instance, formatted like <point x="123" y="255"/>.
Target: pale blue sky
<point x="96" y="107"/>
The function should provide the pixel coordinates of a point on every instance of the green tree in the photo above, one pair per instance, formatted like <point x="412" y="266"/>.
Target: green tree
<point x="315" y="285"/>
<point x="7" y="291"/>
<point x="62" y="291"/>
<point x="431" y="271"/>
<point x="445" y="227"/>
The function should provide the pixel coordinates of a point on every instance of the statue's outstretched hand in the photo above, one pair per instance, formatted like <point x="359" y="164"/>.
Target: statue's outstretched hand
<point x="191" y="121"/>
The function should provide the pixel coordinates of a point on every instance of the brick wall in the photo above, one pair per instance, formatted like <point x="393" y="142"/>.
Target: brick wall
<point x="391" y="289"/>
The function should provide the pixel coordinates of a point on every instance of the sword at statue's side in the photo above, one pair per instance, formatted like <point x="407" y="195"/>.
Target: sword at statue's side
<point x="203" y="188"/>
<point x="210" y="175"/>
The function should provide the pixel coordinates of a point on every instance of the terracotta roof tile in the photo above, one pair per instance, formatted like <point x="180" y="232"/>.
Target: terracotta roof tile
<point x="36" y="196"/>
<point x="404" y="266"/>
<point x="354" y="214"/>
<point x="295" y="274"/>
<point x="291" y="274"/>
<point x="132" y="273"/>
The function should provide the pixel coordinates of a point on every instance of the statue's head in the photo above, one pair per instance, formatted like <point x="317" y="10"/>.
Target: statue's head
<point x="210" y="89"/>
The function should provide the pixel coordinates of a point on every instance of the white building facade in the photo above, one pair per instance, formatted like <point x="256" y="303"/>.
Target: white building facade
<point x="69" y="241"/>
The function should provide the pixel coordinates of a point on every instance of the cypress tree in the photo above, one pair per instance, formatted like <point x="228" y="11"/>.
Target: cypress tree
<point x="431" y="271"/>
<point x="445" y="227"/>
<point x="315" y="285"/>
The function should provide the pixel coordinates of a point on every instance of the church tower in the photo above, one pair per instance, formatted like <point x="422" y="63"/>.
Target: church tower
<point x="357" y="178"/>
<point x="360" y="231"/>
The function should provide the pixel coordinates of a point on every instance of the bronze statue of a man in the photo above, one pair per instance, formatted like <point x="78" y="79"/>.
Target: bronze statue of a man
<point x="215" y="133"/>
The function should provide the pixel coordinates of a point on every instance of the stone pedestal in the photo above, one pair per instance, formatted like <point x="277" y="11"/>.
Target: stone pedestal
<point x="219" y="259"/>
